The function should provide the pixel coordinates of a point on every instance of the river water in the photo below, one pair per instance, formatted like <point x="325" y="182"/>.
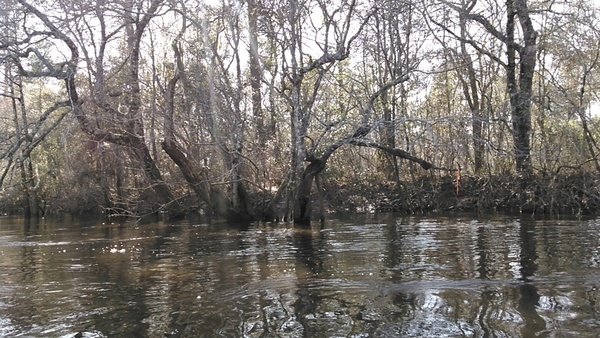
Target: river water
<point x="371" y="276"/>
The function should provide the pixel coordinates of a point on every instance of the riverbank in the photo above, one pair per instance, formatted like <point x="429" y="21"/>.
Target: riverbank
<point x="564" y="194"/>
<point x="574" y="194"/>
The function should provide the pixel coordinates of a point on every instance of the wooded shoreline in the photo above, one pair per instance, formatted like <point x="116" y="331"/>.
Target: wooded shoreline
<point x="576" y="194"/>
<point x="288" y="110"/>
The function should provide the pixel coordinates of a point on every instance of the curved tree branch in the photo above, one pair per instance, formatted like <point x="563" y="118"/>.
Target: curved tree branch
<point x="399" y="153"/>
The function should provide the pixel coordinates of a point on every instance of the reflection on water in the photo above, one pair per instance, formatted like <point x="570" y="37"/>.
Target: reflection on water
<point x="381" y="276"/>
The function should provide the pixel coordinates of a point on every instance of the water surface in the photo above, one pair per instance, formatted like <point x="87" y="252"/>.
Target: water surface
<point x="373" y="276"/>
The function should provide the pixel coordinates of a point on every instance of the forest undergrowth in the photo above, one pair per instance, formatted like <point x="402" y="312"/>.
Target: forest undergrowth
<point x="564" y="194"/>
<point x="575" y="194"/>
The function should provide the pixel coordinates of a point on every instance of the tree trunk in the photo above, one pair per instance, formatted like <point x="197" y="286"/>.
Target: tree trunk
<point x="218" y="203"/>
<point x="303" y="205"/>
<point x="22" y="133"/>
<point x="581" y="112"/>
<point x="30" y="198"/>
<point x="520" y="91"/>
<point x="163" y="192"/>
<point x="256" y="73"/>
<point x="471" y="93"/>
<point x="388" y="138"/>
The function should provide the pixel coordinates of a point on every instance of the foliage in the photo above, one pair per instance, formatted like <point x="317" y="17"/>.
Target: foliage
<point x="237" y="108"/>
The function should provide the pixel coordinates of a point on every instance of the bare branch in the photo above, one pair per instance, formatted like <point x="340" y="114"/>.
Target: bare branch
<point x="471" y="42"/>
<point x="399" y="153"/>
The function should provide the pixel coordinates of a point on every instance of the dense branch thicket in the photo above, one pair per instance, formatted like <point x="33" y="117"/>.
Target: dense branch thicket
<point x="270" y="110"/>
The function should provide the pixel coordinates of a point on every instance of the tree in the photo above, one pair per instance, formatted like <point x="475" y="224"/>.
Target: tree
<point x="521" y="51"/>
<point x="391" y="48"/>
<point x="256" y="71"/>
<point x="569" y="66"/>
<point x="28" y="129"/>
<point x="224" y="96"/>
<point x="303" y="74"/>
<point x="301" y="104"/>
<point x="97" y="115"/>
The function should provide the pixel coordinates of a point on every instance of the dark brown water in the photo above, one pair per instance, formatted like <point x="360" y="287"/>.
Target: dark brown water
<point x="382" y="276"/>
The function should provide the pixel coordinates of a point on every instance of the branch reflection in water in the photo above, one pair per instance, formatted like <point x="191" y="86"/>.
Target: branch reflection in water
<point x="372" y="276"/>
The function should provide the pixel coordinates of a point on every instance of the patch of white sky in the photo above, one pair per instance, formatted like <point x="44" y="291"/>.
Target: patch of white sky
<point x="315" y="40"/>
<point x="495" y="13"/>
<point x="552" y="20"/>
<point x="80" y="22"/>
<point x="201" y="15"/>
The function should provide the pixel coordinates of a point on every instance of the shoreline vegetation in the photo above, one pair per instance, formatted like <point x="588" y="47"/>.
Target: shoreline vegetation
<point x="576" y="194"/>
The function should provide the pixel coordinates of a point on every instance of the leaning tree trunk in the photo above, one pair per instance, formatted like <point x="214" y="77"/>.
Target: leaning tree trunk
<point x="302" y="205"/>
<point x="303" y="201"/>
<point x="163" y="192"/>
<point x="217" y="202"/>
